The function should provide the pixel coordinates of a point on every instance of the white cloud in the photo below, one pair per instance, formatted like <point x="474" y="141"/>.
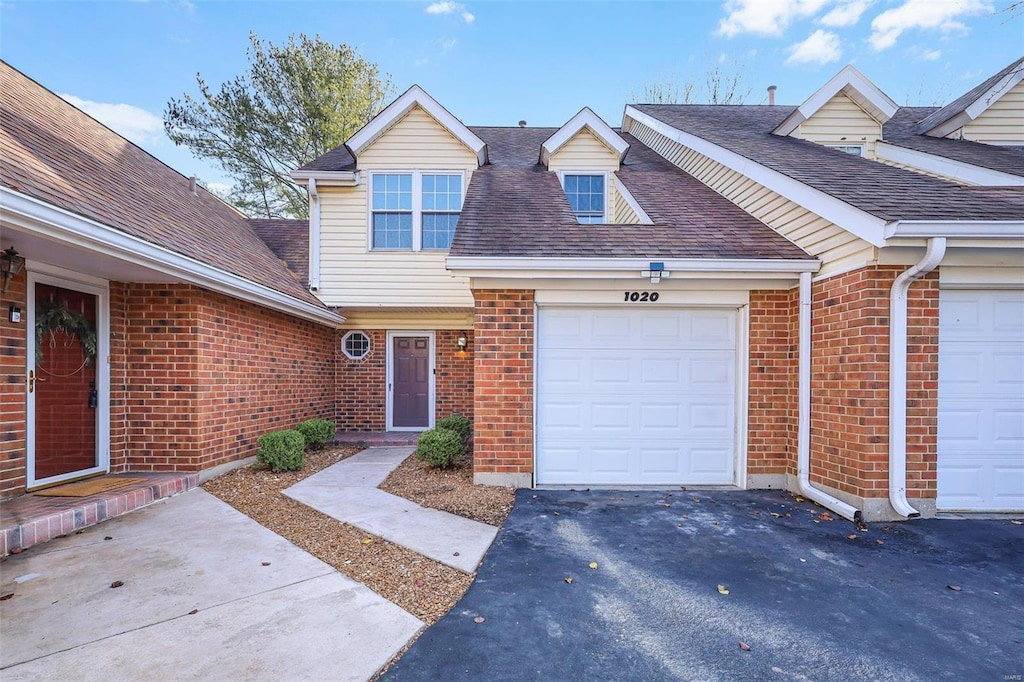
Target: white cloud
<point x="449" y="7"/>
<point x="821" y="47"/>
<point x="422" y="61"/>
<point x="765" y="17"/>
<point x="446" y="44"/>
<point x="943" y="16"/>
<point x="846" y="14"/>
<point x="138" y="125"/>
<point x="930" y="55"/>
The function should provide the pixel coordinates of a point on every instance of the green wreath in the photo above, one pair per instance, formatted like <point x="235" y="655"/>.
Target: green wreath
<point x="54" y="318"/>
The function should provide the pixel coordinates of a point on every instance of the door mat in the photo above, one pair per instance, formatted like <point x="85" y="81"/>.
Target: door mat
<point x="93" y="486"/>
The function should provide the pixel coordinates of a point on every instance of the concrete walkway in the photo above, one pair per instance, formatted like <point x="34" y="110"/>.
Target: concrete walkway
<point x="347" y="491"/>
<point x="208" y="593"/>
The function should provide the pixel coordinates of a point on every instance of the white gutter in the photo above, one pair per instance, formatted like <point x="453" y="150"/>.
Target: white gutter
<point x="334" y="178"/>
<point x="529" y="267"/>
<point x="898" y="374"/>
<point x="965" y="229"/>
<point x="314" y="236"/>
<point x="43" y="219"/>
<point x="946" y="167"/>
<point x="803" y="448"/>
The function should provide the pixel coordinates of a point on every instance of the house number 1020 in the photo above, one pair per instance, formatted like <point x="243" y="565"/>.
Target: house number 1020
<point x="640" y="296"/>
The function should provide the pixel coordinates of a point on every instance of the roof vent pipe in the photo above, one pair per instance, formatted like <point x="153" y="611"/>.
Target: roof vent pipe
<point x="192" y="184"/>
<point x="771" y="94"/>
<point x="522" y="124"/>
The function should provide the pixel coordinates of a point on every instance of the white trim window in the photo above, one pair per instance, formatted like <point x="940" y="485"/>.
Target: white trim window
<point x="588" y="196"/>
<point x="355" y="345"/>
<point x="415" y="210"/>
<point x="852" y="149"/>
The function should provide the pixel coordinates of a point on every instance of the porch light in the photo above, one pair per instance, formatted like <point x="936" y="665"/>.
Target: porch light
<point x="656" y="272"/>
<point x="10" y="265"/>
<point x="462" y="342"/>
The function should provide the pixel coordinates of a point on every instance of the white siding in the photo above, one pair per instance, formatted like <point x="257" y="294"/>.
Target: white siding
<point x="837" y="248"/>
<point x="1003" y="122"/>
<point x="841" y="122"/>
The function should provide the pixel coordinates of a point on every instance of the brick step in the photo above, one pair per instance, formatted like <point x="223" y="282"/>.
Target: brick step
<point x="31" y="520"/>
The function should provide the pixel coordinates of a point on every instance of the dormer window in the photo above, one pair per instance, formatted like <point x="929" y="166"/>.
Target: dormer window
<point x="416" y="210"/>
<point x="854" y="149"/>
<point x="587" y="196"/>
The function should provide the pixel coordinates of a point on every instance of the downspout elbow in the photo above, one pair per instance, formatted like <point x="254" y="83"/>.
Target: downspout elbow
<point x="898" y="374"/>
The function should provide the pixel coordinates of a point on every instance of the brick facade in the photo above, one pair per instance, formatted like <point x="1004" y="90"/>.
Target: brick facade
<point x="503" y="394"/>
<point x="362" y="384"/>
<point x="12" y="400"/>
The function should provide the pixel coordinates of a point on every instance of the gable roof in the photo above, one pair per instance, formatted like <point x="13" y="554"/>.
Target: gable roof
<point x="584" y="119"/>
<point x="515" y="208"/>
<point x="56" y="154"/>
<point x="972" y="103"/>
<point x="851" y="83"/>
<point x="392" y="113"/>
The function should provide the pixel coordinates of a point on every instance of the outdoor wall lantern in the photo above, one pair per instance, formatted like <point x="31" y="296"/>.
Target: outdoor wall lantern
<point x="462" y="342"/>
<point x="656" y="272"/>
<point x="10" y="265"/>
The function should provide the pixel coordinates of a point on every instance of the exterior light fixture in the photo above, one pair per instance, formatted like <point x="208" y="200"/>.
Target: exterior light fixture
<point x="462" y="342"/>
<point x="656" y="272"/>
<point x="10" y="265"/>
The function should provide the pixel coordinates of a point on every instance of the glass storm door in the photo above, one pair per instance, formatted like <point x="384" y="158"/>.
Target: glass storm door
<point x="66" y="382"/>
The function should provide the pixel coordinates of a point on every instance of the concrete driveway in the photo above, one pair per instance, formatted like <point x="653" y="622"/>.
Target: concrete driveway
<point x="207" y="593"/>
<point x="810" y="603"/>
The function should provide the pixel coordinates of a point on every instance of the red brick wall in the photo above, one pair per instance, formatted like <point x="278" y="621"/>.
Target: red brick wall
<point x="12" y="399"/>
<point x="849" y="393"/>
<point x="503" y="393"/>
<point x="772" y="407"/>
<point x="362" y="384"/>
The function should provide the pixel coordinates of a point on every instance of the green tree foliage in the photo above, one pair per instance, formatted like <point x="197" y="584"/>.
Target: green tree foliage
<point x="296" y="102"/>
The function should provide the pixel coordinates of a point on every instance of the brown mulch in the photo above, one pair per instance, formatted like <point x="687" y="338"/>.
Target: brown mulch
<point x="423" y="587"/>
<point x="450" y="490"/>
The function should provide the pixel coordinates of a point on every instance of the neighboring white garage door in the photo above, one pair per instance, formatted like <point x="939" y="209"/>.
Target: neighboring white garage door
<point x="981" y="400"/>
<point x="636" y="397"/>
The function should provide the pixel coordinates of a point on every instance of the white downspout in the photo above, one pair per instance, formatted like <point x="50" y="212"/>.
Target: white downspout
<point x="314" y="237"/>
<point x="803" y="448"/>
<point x="898" y="374"/>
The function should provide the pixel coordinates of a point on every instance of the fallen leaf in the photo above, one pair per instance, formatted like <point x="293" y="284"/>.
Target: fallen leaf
<point x="420" y="583"/>
<point x="800" y="498"/>
<point x="665" y="504"/>
<point x="193" y="612"/>
<point x="696" y="499"/>
<point x="264" y="563"/>
<point x="880" y="541"/>
<point x="776" y="515"/>
<point x="568" y="581"/>
<point x="825" y="516"/>
<point x="117" y="583"/>
<point x="851" y="536"/>
<point x="722" y="589"/>
<point x="479" y="619"/>
<point x="593" y="564"/>
<point x="367" y="542"/>
<point x="955" y="588"/>
<point x="744" y="646"/>
<point x="8" y="596"/>
<point x="1016" y="522"/>
<point x="108" y="538"/>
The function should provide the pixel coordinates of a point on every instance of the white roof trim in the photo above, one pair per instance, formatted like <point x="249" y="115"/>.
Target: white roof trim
<point x="340" y="178"/>
<point x="632" y="202"/>
<point x="868" y="227"/>
<point x="468" y="266"/>
<point x="980" y="105"/>
<point x="854" y="85"/>
<point x="416" y="97"/>
<point x="966" y="229"/>
<point x="48" y="221"/>
<point x="592" y="122"/>
<point x="946" y="167"/>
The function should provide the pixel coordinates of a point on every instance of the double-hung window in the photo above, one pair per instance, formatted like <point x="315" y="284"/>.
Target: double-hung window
<point x="416" y="210"/>
<point x="586" y="195"/>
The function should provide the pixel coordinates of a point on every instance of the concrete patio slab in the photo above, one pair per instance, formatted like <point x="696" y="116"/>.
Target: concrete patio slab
<point x="347" y="491"/>
<point x="295" y="615"/>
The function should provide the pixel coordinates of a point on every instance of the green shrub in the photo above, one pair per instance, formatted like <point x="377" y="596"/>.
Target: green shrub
<point x="458" y="424"/>
<point x="282" y="450"/>
<point x="439" y="448"/>
<point x="317" y="432"/>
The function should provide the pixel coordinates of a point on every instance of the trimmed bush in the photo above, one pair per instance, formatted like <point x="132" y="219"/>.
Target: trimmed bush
<point x="282" y="450"/>
<point x="439" y="448"/>
<point x="317" y="432"/>
<point x="458" y="424"/>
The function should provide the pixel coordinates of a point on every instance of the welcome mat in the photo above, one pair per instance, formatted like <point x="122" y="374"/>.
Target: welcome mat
<point x="93" y="486"/>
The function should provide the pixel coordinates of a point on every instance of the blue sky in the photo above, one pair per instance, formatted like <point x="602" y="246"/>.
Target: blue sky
<point x="494" y="63"/>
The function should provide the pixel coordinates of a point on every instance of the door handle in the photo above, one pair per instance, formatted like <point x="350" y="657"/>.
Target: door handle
<point x="31" y="381"/>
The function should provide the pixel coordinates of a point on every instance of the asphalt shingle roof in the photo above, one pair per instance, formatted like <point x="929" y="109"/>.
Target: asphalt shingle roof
<point x="957" y="106"/>
<point x="53" y="152"/>
<point x="289" y="240"/>
<point x="884" y="191"/>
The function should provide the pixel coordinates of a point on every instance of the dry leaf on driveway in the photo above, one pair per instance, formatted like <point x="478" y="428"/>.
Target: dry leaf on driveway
<point x="722" y="589"/>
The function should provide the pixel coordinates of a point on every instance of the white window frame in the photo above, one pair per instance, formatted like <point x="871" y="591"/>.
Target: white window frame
<point x="590" y="171"/>
<point x="417" y="204"/>
<point x="842" y="147"/>
<point x="369" y="344"/>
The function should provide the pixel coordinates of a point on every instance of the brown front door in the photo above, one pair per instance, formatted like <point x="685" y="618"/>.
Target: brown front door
<point x="410" y="406"/>
<point x="65" y="382"/>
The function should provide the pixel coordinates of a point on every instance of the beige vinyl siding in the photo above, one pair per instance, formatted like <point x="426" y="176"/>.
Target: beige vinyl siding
<point x="841" y="122"/>
<point x="1003" y="122"/>
<point x="406" y="319"/>
<point x="417" y="141"/>
<point x="584" y="150"/>
<point x="835" y="247"/>
<point x="623" y="213"/>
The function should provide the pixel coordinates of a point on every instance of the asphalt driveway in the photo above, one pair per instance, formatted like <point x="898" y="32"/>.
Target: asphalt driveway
<point x="809" y="601"/>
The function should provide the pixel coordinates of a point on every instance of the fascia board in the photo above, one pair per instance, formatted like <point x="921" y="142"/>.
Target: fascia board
<point x="585" y="118"/>
<point x="964" y="229"/>
<point x="858" y="222"/>
<point x="38" y="217"/>
<point x="416" y="96"/>
<point x="946" y="167"/>
<point x="854" y="84"/>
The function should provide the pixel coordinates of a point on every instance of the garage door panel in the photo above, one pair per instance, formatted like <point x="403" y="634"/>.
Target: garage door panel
<point x="631" y="397"/>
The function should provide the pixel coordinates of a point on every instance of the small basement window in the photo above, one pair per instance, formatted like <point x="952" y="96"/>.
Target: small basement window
<point x="355" y="345"/>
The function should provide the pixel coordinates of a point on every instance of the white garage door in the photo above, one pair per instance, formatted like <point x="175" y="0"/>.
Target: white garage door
<point x="981" y="401"/>
<point x="636" y="397"/>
